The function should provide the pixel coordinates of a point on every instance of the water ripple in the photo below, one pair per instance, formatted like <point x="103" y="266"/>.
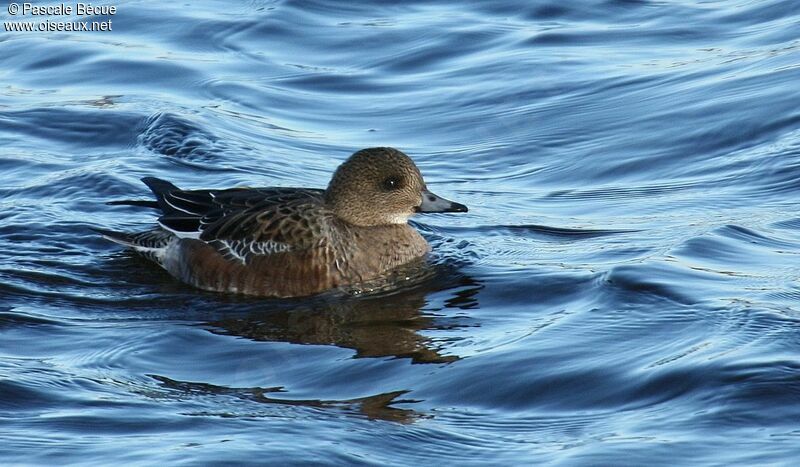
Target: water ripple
<point x="624" y="288"/>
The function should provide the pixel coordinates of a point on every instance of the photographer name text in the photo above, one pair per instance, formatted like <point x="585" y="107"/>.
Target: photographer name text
<point x="39" y="17"/>
<point x="62" y="9"/>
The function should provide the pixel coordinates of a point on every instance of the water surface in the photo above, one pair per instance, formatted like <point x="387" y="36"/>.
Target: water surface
<point x="624" y="289"/>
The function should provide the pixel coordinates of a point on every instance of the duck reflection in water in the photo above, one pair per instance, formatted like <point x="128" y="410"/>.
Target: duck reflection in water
<point x="376" y="407"/>
<point x="386" y="324"/>
<point x="380" y="325"/>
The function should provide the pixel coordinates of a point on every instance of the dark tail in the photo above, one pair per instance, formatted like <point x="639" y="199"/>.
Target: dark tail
<point x="158" y="187"/>
<point x="134" y="202"/>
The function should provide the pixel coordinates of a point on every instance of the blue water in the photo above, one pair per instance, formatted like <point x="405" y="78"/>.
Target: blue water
<point x="625" y="289"/>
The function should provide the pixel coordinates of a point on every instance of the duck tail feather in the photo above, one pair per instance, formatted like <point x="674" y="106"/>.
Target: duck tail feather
<point x="121" y="238"/>
<point x="158" y="186"/>
<point x="152" y="242"/>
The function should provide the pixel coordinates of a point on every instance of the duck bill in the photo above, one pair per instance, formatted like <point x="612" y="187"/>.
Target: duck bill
<point x="435" y="203"/>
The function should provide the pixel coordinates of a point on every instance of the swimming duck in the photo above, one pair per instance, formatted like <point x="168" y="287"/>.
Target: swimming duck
<point x="291" y="242"/>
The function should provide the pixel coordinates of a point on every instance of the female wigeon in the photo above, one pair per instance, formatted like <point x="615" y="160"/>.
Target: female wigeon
<point x="290" y="242"/>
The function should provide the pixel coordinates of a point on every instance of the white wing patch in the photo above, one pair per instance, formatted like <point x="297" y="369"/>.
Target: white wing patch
<point x="180" y="234"/>
<point x="238" y="250"/>
<point x="267" y="248"/>
<point x="166" y="200"/>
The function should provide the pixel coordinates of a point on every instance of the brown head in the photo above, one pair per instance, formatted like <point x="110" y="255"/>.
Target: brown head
<point x="382" y="186"/>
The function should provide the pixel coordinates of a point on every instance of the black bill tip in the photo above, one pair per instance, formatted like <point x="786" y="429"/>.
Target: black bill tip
<point x="435" y="203"/>
<point x="458" y="207"/>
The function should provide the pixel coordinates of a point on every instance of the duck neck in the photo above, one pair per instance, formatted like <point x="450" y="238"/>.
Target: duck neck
<point x="373" y="250"/>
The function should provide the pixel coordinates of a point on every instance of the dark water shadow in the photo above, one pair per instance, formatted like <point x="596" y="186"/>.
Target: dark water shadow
<point x="375" y="407"/>
<point x="534" y="230"/>
<point x="169" y="135"/>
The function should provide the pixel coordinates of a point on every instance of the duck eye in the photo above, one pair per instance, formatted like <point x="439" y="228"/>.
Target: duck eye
<point x="391" y="183"/>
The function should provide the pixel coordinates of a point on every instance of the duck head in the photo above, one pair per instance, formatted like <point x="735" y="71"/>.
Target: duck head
<point x="382" y="186"/>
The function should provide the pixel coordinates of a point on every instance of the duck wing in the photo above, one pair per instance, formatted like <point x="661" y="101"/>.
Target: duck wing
<point x="263" y="231"/>
<point x="269" y="249"/>
<point x="187" y="213"/>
